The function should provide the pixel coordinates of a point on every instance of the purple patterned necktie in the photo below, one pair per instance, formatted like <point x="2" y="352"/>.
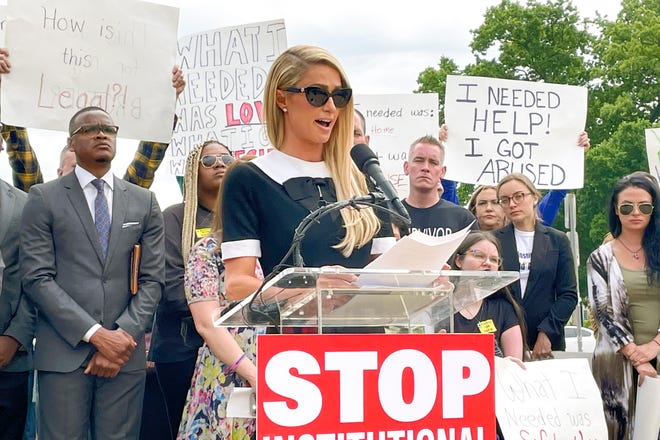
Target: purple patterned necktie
<point x="101" y="215"/>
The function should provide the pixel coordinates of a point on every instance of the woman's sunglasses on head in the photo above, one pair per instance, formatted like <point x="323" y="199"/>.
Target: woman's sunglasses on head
<point x="317" y="96"/>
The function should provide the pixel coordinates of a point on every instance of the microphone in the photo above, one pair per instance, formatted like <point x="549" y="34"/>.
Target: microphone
<point x="367" y="161"/>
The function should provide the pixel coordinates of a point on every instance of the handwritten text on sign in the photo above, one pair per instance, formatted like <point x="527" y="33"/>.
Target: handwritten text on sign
<point x="340" y="387"/>
<point x="226" y="73"/>
<point x="554" y="399"/>
<point x="497" y="127"/>
<point x="393" y="123"/>
<point x="71" y="54"/>
<point x="653" y="150"/>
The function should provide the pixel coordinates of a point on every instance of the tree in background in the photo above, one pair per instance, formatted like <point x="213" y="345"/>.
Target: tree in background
<point x="618" y="62"/>
<point x="626" y="93"/>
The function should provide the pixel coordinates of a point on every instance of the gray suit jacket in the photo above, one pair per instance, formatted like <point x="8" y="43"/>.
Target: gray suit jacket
<point x="72" y="285"/>
<point x="16" y="312"/>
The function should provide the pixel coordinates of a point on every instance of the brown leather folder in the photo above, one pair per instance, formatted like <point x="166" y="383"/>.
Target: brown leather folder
<point x="135" y="267"/>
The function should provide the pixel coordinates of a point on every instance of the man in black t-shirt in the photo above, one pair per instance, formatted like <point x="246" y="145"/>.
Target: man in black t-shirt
<point x="429" y="213"/>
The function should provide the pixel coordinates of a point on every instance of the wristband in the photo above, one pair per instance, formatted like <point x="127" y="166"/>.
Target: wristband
<point x="236" y="362"/>
<point x="654" y="340"/>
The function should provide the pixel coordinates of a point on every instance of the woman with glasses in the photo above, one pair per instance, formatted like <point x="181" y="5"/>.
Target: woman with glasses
<point x="225" y="359"/>
<point x="308" y="108"/>
<point x="175" y="341"/>
<point x="547" y="289"/>
<point x="623" y="277"/>
<point x="498" y="313"/>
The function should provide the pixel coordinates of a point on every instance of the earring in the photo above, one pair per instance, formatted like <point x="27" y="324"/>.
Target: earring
<point x="284" y="109"/>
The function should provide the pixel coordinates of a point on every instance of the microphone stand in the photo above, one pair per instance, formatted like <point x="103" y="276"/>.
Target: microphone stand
<point x="370" y="200"/>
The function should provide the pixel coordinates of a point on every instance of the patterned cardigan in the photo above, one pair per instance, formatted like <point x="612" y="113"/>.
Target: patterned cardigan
<point x="613" y="372"/>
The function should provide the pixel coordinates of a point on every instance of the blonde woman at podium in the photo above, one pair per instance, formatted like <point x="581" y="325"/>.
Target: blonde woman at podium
<point x="308" y="110"/>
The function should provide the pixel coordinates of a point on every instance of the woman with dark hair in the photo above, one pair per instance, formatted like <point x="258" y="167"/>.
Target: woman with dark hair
<point x="498" y="313"/>
<point x="624" y="294"/>
<point x="547" y="289"/>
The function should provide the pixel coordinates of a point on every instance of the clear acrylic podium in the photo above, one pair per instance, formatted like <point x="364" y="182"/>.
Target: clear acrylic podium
<point x="400" y="300"/>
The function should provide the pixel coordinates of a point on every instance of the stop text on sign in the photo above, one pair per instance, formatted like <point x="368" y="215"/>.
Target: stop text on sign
<point x="342" y="384"/>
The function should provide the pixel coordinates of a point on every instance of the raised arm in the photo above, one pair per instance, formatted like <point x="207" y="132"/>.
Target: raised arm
<point x="149" y="155"/>
<point x="550" y="203"/>
<point x="24" y="165"/>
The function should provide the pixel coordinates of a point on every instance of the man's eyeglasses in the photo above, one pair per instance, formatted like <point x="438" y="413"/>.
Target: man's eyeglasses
<point x="517" y="197"/>
<point x="210" y="160"/>
<point x="481" y="257"/>
<point x="89" y="130"/>
<point x="628" y="208"/>
<point x="317" y="97"/>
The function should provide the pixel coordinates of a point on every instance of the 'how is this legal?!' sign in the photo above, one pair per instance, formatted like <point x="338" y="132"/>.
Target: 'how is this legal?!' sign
<point x="375" y="387"/>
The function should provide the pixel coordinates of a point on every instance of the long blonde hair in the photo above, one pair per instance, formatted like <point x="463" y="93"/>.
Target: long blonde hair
<point x="190" y="202"/>
<point x="361" y="225"/>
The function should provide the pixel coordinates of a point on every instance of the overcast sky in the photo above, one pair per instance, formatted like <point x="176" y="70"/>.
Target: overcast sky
<point x="383" y="46"/>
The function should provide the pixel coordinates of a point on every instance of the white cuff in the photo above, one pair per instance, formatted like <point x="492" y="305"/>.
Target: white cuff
<point x="87" y="336"/>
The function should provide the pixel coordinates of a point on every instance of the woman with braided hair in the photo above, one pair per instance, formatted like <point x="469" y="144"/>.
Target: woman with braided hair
<point x="175" y="342"/>
<point x="225" y="361"/>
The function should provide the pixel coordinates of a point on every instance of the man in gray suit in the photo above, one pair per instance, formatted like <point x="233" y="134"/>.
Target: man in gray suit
<point x="78" y="236"/>
<point x="16" y="319"/>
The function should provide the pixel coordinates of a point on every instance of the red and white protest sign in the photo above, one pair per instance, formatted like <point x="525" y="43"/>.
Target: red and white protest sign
<point x="375" y="387"/>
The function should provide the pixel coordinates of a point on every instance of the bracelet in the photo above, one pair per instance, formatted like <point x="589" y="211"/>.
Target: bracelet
<point x="654" y="340"/>
<point x="236" y="362"/>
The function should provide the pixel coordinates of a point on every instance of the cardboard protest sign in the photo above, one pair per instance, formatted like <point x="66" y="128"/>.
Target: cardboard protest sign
<point x="369" y="386"/>
<point x="552" y="399"/>
<point x="67" y="55"/>
<point x="393" y="122"/>
<point x="497" y="127"/>
<point x="225" y="72"/>
<point x="3" y="22"/>
<point x="653" y="150"/>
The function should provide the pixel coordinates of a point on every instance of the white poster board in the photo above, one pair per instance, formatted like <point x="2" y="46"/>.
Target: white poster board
<point x="653" y="150"/>
<point x="393" y="123"/>
<point x="3" y="22"/>
<point x="225" y="71"/>
<point x="552" y="399"/>
<point x="69" y="54"/>
<point x="497" y="126"/>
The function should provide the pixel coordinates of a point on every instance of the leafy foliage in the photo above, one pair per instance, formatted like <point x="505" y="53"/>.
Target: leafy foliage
<point x="619" y="63"/>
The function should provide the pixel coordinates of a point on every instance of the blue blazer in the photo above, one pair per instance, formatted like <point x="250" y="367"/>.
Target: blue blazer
<point x="551" y="292"/>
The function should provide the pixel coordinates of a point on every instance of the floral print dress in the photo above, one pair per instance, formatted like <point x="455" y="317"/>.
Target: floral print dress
<point x="212" y="382"/>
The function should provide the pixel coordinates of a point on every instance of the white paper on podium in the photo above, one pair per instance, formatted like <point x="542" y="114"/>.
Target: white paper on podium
<point x="241" y="403"/>
<point x="417" y="251"/>
<point x="647" y="410"/>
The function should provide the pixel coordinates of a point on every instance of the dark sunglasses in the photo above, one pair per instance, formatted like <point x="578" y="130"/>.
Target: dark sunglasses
<point x="628" y="208"/>
<point x="210" y="160"/>
<point x="317" y="96"/>
<point x="88" y="130"/>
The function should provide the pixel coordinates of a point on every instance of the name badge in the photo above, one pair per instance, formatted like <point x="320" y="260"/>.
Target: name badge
<point x="487" y="326"/>
<point x="202" y="232"/>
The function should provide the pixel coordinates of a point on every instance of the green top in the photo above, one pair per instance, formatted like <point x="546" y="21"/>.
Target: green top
<point x="644" y="301"/>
